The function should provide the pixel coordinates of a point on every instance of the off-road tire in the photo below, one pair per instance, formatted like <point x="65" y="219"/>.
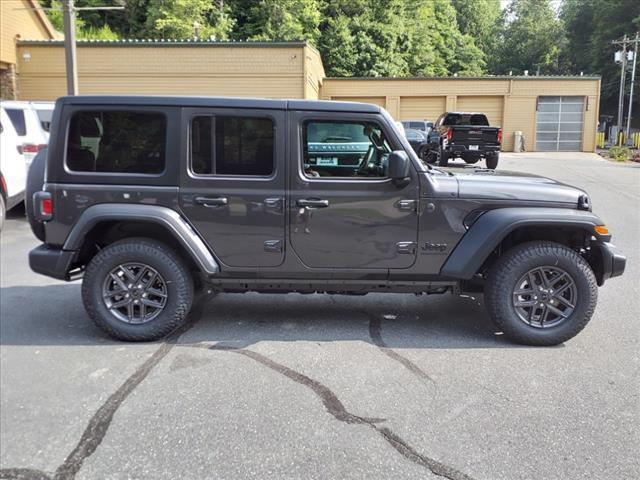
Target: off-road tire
<point x="509" y="268"/>
<point x="471" y="160"/>
<point x="491" y="160"/>
<point x="443" y="158"/>
<point x="178" y="279"/>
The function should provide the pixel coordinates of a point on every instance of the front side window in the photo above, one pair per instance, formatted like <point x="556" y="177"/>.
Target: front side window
<point x="117" y="142"/>
<point x="344" y="149"/>
<point x="232" y="146"/>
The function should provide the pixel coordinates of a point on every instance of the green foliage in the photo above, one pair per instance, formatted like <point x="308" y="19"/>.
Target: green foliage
<point x="619" y="154"/>
<point x="532" y="38"/>
<point x="184" y="18"/>
<point x="590" y="27"/>
<point x="482" y="20"/>
<point x="276" y="19"/>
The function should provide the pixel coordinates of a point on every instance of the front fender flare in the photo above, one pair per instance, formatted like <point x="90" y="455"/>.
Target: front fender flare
<point x="492" y="227"/>
<point x="168" y="218"/>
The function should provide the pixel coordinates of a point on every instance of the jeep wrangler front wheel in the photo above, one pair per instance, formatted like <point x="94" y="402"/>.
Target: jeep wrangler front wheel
<point x="137" y="290"/>
<point x="541" y="293"/>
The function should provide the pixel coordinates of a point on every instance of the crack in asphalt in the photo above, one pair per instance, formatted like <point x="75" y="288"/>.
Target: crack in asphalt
<point x="375" y="332"/>
<point x="334" y="407"/>
<point x="99" y="423"/>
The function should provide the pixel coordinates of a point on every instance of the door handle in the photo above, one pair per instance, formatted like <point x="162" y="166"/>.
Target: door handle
<point x="210" y="202"/>
<point x="273" y="204"/>
<point x="312" y="203"/>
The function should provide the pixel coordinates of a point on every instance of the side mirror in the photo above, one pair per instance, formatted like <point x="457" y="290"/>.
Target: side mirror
<point x="399" y="167"/>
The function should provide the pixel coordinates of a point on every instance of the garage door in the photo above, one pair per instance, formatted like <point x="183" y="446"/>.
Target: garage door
<point x="380" y="101"/>
<point x="422" y="108"/>
<point x="490" y="106"/>
<point x="559" y="124"/>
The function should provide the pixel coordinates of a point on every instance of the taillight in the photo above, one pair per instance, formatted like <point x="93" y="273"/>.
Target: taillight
<point x="449" y="134"/>
<point x="43" y="206"/>
<point x="46" y="207"/>
<point x="499" y="135"/>
<point x="31" y="147"/>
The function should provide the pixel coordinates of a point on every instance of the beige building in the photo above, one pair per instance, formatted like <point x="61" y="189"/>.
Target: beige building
<point x="553" y="113"/>
<point x="20" y="19"/>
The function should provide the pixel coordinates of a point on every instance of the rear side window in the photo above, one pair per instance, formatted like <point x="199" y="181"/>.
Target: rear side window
<point x="16" y="115"/>
<point x="232" y="146"/>
<point x="117" y="142"/>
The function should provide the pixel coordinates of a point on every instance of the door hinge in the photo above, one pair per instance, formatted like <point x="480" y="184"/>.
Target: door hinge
<point x="406" y="247"/>
<point x="273" y="246"/>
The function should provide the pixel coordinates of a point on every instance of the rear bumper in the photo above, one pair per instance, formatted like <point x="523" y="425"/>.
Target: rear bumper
<point x="613" y="261"/>
<point x="52" y="262"/>
<point x="460" y="149"/>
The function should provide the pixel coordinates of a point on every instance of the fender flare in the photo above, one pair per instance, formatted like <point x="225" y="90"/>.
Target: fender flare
<point x="168" y="218"/>
<point x="493" y="226"/>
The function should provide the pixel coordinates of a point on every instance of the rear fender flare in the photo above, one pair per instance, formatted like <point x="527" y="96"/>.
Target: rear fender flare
<point x="168" y="218"/>
<point x="486" y="233"/>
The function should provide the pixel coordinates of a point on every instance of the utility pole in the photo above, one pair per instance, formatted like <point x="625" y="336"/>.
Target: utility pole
<point x="633" y="79"/>
<point x="623" y="70"/>
<point x="70" y="57"/>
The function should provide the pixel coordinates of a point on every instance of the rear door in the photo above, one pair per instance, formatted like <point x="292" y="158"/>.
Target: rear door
<point x="233" y="183"/>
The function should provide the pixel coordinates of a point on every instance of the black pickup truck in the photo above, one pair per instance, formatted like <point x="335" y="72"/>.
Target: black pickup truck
<point x="466" y="135"/>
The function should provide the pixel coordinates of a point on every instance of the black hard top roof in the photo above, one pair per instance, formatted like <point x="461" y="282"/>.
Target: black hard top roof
<point x="221" y="102"/>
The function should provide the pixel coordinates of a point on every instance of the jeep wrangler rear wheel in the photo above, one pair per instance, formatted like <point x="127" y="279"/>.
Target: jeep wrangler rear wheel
<point x="541" y="293"/>
<point x="137" y="290"/>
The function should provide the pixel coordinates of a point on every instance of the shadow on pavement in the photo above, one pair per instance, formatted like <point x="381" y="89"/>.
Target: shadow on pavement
<point x="54" y="315"/>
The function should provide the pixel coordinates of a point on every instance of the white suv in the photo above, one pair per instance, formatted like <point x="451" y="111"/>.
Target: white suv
<point x="32" y="137"/>
<point x="13" y="167"/>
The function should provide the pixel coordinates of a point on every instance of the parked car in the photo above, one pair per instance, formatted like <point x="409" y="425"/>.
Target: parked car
<point x="419" y="141"/>
<point x="422" y="125"/>
<point x="25" y="120"/>
<point x="13" y="168"/>
<point x="466" y="135"/>
<point x="150" y="198"/>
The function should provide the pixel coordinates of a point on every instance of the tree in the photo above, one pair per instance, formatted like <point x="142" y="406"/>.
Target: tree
<point x="590" y="27"/>
<point x="276" y="19"/>
<point x="533" y="37"/>
<point x="184" y="18"/>
<point x="482" y="20"/>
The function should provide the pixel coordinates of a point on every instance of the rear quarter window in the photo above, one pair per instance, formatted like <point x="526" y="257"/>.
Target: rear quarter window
<point x="117" y="141"/>
<point x="16" y="115"/>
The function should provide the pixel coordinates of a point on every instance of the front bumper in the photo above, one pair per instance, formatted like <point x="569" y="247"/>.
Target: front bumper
<point x="612" y="261"/>
<point x="52" y="262"/>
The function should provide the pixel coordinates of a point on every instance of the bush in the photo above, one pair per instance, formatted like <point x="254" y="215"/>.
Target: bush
<point x="620" y="154"/>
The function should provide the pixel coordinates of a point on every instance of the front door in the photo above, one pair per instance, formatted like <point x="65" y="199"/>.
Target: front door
<point x="344" y="210"/>
<point x="233" y="184"/>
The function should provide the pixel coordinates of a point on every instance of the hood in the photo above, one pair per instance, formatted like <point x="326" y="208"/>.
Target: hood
<point x="506" y="185"/>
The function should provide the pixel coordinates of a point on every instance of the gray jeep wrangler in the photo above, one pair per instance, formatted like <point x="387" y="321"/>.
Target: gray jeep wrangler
<point x="151" y="198"/>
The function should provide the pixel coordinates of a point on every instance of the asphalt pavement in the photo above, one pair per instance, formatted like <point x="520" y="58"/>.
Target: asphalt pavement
<point x="317" y="386"/>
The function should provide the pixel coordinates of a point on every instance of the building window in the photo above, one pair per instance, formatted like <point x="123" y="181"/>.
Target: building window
<point x="344" y="149"/>
<point x="117" y="142"/>
<point x="232" y="146"/>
